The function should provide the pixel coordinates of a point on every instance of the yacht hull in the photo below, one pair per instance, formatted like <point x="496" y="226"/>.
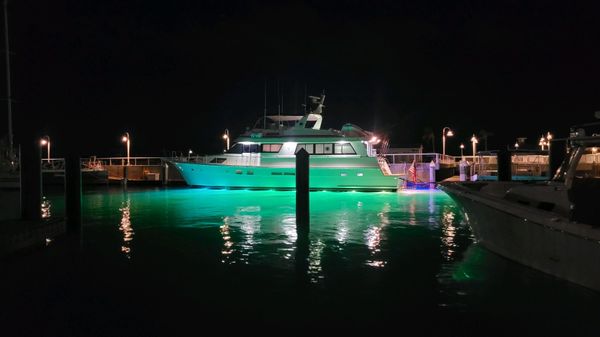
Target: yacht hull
<point x="263" y="177"/>
<point x="535" y="238"/>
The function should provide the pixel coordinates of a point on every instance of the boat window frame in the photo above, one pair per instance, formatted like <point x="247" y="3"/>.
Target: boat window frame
<point x="245" y="148"/>
<point x="326" y="149"/>
<point x="270" y="145"/>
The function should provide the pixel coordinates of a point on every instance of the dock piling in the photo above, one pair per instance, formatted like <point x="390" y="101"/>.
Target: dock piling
<point x="504" y="165"/>
<point x="125" y="173"/>
<point x="432" y="174"/>
<point x="302" y="191"/>
<point x="165" y="174"/>
<point x="73" y="192"/>
<point x="31" y="180"/>
<point x="462" y="170"/>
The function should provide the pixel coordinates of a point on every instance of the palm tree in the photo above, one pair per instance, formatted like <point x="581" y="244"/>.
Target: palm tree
<point x="484" y="134"/>
<point x="429" y="136"/>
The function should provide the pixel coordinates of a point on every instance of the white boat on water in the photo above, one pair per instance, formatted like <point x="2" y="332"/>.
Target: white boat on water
<point x="552" y="226"/>
<point x="264" y="158"/>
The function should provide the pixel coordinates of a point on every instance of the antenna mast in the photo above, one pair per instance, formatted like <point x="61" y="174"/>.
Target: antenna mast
<point x="8" y="93"/>
<point x="305" y="97"/>
<point x="278" y="106"/>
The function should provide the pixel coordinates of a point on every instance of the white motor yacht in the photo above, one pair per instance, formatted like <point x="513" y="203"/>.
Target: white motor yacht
<point x="264" y="157"/>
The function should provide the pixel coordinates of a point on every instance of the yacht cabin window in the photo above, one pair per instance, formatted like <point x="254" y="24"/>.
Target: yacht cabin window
<point x="271" y="148"/>
<point x="243" y="148"/>
<point x="326" y="148"/>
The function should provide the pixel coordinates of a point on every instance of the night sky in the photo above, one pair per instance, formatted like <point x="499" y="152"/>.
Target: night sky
<point x="175" y="74"/>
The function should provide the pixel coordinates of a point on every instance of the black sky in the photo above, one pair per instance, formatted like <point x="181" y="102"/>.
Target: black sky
<point x="175" y="74"/>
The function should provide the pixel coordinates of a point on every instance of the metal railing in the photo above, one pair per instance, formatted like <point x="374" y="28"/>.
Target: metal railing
<point x="94" y="163"/>
<point x="522" y="165"/>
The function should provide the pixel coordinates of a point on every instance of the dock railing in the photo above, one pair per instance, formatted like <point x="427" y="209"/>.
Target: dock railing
<point x="524" y="166"/>
<point x="139" y="168"/>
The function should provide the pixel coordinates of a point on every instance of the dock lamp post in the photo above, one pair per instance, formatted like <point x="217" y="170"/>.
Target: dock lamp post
<point x="548" y="138"/>
<point x="127" y="140"/>
<point x="189" y="154"/>
<point x="462" y="151"/>
<point x="516" y="145"/>
<point x="226" y="137"/>
<point x="542" y="142"/>
<point x="46" y="142"/>
<point x="474" y="141"/>
<point x="445" y="133"/>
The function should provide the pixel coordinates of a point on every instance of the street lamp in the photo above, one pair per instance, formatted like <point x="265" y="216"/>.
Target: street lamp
<point x="189" y="154"/>
<point x="445" y="133"/>
<point x="462" y="151"/>
<point x="542" y="142"/>
<point x="46" y="142"/>
<point x="126" y="139"/>
<point x="474" y="141"/>
<point x="516" y="145"/>
<point x="226" y="137"/>
<point x="548" y="138"/>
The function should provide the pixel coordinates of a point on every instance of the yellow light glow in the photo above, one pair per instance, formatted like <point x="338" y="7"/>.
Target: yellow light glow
<point x="124" y="139"/>
<point x="43" y="142"/>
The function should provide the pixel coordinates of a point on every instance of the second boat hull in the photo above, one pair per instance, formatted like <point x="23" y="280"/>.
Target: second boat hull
<point x="536" y="238"/>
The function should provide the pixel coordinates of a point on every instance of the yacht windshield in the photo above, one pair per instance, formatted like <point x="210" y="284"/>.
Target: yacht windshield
<point x="243" y="148"/>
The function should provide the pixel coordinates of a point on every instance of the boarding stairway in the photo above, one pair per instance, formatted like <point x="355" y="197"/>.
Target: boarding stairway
<point x="383" y="165"/>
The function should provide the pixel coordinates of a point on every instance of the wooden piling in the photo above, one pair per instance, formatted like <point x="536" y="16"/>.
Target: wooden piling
<point x="165" y="173"/>
<point x="504" y="165"/>
<point x="125" y="175"/>
<point x="73" y="192"/>
<point x="302" y="191"/>
<point x="31" y="180"/>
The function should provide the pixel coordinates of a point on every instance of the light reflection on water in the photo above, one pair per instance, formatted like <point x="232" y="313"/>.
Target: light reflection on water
<point x="126" y="228"/>
<point x="368" y="231"/>
<point x="258" y="227"/>
<point x="393" y="253"/>
<point x="46" y="208"/>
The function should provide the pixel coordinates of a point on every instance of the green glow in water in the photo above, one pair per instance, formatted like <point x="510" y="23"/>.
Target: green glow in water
<point x="369" y="257"/>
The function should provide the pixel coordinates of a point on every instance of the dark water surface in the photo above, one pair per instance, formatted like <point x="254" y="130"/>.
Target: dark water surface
<point x="166" y="261"/>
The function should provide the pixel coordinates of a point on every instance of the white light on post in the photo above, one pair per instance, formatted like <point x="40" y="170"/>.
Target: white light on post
<point x="226" y="137"/>
<point x="542" y="142"/>
<point x="46" y="142"/>
<point x="516" y="145"/>
<point x="462" y="151"/>
<point x="189" y="154"/>
<point x="127" y="140"/>
<point x="548" y="138"/>
<point x="474" y="141"/>
<point x="445" y="133"/>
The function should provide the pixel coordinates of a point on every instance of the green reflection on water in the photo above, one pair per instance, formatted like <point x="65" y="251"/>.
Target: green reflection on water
<point x="368" y="256"/>
<point x="259" y="226"/>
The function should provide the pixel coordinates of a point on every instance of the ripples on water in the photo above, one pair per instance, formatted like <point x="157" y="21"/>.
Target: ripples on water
<point x="407" y="252"/>
<point x="258" y="227"/>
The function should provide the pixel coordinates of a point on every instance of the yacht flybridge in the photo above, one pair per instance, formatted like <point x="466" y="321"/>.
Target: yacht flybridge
<point x="264" y="157"/>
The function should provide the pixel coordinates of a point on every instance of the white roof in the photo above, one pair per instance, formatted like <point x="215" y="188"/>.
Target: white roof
<point x="290" y="118"/>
